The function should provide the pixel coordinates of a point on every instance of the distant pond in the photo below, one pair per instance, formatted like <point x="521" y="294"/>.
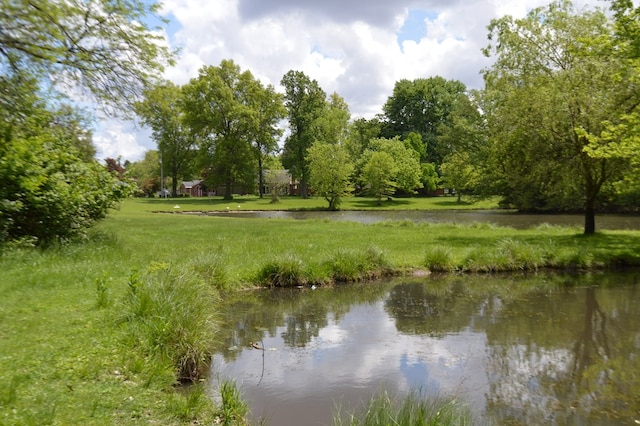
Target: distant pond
<point x="519" y="349"/>
<point x="496" y="217"/>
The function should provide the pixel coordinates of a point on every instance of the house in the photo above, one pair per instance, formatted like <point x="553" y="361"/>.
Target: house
<point x="192" y="188"/>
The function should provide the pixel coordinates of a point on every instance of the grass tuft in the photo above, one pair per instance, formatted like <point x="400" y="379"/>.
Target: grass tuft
<point x="287" y="271"/>
<point x="413" y="410"/>
<point x="234" y="409"/>
<point x="439" y="259"/>
<point x="354" y="266"/>
<point x="170" y="317"/>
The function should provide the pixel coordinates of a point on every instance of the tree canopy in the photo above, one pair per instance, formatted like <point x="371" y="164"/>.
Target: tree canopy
<point x="555" y="81"/>
<point x="100" y="47"/>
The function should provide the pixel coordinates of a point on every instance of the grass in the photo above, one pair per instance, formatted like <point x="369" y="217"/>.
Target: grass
<point x="100" y="331"/>
<point x="413" y="410"/>
<point x="255" y="203"/>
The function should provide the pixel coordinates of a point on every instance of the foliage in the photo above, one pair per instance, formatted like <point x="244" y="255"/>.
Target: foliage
<point x="220" y="108"/>
<point x="422" y="106"/>
<point x="330" y="170"/>
<point x="429" y="176"/>
<point x="305" y="102"/>
<point x="378" y="176"/>
<point x="459" y="173"/>
<point x="161" y="111"/>
<point x="103" y="47"/>
<point x="268" y="111"/>
<point x="554" y="83"/>
<point x="399" y="169"/>
<point x="146" y="173"/>
<point x="48" y="191"/>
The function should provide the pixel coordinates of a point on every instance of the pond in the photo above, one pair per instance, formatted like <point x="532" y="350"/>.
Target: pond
<point x="496" y="217"/>
<point x="536" y="349"/>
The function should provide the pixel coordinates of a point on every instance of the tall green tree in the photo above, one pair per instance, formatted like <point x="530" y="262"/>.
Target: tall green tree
<point x="268" y="111"/>
<point x="330" y="170"/>
<point x="220" y="109"/>
<point x="405" y="171"/>
<point x="305" y="102"/>
<point x="422" y="106"/>
<point x="161" y="110"/>
<point x="378" y="175"/>
<point x="103" y="47"/>
<point x="555" y="81"/>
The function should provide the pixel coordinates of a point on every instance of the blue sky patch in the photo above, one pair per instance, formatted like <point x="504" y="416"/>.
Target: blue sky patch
<point x="414" y="27"/>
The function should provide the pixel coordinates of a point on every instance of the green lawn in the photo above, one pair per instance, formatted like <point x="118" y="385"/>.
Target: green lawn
<point x="66" y="358"/>
<point x="251" y="202"/>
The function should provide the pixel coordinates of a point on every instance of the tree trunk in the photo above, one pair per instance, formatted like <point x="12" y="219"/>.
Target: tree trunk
<point x="303" y="189"/>
<point x="589" y="219"/>
<point x="227" y="191"/>
<point x="260" y="178"/>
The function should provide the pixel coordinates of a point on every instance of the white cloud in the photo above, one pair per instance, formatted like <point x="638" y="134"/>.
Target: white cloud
<point x="350" y="46"/>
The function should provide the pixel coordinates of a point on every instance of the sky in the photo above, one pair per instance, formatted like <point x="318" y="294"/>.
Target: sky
<point x="356" y="48"/>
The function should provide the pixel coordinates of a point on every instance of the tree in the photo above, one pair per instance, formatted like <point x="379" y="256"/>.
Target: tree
<point x="361" y="132"/>
<point x="146" y="173"/>
<point x="162" y="111"/>
<point x="458" y="172"/>
<point x="102" y="47"/>
<point x="378" y="175"/>
<point x="220" y="109"/>
<point x="555" y="81"/>
<point x="332" y="126"/>
<point x="268" y="107"/>
<point x="330" y="170"/>
<point x="422" y="106"/>
<point x="305" y="102"/>
<point x="405" y="171"/>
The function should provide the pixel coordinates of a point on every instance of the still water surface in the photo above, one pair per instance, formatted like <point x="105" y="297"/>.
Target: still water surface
<point x="537" y="349"/>
<point x="495" y="217"/>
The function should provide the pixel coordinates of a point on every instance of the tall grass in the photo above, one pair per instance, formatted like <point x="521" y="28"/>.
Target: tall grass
<point x="169" y="314"/>
<point x="354" y="265"/>
<point x="412" y="410"/>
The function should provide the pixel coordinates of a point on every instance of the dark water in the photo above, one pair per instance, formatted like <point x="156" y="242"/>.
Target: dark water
<point x="542" y="349"/>
<point x="504" y="218"/>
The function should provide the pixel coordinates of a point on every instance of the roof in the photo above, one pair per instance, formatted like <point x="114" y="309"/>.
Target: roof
<point x="191" y="183"/>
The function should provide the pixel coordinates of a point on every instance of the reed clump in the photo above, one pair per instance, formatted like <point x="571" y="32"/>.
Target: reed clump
<point x="413" y="410"/>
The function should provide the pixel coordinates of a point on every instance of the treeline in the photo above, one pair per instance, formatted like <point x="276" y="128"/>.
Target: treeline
<point x="554" y="128"/>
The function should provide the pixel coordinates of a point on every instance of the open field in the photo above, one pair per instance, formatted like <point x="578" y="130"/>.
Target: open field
<point x="251" y="202"/>
<point x="70" y="352"/>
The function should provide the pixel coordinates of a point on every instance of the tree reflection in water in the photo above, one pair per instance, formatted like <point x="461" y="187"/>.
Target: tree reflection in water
<point x="553" y="349"/>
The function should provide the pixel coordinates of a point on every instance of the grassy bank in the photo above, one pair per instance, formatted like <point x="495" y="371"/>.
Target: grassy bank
<point x="82" y="337"/>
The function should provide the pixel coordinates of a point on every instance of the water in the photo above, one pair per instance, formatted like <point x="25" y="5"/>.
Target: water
<point x="499" y="218"/>
<point x="541" y="349"/>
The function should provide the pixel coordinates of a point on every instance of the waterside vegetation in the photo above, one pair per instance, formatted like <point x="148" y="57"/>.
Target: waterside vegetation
<point x="108" y="330"/>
